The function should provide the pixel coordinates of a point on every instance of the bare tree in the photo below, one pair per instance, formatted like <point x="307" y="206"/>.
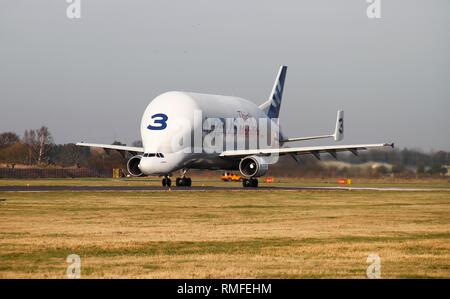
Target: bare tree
<point x="29" y="138"/>
<point x="15" y="153"/>
<point x="8" y="138"/>
<point x="45" y="141"/>
<point x="39" y="143"/>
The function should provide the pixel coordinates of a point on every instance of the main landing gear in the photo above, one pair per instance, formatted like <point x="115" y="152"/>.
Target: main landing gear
<point x="183" y="181"/>
<point x="251" y="182"/>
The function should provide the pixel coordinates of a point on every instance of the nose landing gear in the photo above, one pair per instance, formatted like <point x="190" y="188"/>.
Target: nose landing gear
<point x="251" y="182"/>
<point x="166" y="182"/>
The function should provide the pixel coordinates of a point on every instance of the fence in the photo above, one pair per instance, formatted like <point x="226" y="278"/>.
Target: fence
<point x="29" y="173"/>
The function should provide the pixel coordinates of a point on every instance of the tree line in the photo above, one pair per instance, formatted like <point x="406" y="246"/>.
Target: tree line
<point x="36" y="148"/>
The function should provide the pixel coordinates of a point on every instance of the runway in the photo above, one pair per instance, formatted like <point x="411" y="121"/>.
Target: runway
<point x="203" y="188"/>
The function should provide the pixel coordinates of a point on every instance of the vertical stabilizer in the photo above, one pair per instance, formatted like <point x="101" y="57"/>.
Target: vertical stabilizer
<point x="272" y="106"/>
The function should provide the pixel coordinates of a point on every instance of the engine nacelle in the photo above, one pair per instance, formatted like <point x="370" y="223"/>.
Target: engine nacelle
<point x="133" y="166"/>
<point x="253" y="166"/>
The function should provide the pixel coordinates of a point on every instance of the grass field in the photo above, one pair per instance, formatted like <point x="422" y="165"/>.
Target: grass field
<point x="215" y="181"/>
<point x="223" y="234"/>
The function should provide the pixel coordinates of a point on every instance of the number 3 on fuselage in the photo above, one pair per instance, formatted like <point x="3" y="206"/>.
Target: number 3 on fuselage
<point x="159" y="122"/>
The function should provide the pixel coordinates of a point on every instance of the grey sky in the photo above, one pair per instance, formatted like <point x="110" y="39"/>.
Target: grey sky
<point x="90" y="79"/>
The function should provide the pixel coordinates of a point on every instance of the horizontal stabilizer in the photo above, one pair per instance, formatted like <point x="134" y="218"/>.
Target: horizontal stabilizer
<point x="338" y="134"/>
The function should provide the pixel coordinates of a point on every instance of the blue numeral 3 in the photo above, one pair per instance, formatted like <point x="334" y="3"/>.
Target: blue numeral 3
<point x="159" y="122"/>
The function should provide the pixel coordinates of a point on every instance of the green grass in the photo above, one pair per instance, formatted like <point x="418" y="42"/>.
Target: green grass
<point x="225" y="234"/>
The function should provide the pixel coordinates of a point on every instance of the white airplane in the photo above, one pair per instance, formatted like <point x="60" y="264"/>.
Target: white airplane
<point x="182" y="131"/>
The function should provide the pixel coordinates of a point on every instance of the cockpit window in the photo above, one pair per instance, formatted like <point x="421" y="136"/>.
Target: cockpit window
<point x="158" y="155"/>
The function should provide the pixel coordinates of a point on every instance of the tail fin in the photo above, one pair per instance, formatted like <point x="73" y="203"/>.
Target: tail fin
<point x="272" y="106"/>
<point x="339" y="130"/>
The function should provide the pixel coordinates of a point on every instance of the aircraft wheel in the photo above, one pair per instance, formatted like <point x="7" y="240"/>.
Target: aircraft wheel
<point x="183" y="182"/>
<point x="252" y="182"/>
<point x="245" y="183"/>
<point x="166" y="182"/>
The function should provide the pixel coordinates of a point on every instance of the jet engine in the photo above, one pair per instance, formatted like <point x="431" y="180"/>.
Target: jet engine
<point x="253" y="166"/>
<point x="133" y="166"/>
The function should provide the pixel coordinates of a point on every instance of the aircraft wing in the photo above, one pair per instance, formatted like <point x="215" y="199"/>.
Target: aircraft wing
<point x="313" y="150"/>
<point x="113" y="147"/>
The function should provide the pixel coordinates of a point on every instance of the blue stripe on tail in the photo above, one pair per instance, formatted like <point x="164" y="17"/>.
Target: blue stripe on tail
<point x="277" y="94"/>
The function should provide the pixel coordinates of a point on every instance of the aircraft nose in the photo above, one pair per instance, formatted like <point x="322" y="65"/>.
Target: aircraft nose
<point x="145" y="165"/>
<point x="158" y="164"/>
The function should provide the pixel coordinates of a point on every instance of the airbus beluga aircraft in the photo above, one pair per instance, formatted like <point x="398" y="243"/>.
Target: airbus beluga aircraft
<point x="183" y="130"/>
